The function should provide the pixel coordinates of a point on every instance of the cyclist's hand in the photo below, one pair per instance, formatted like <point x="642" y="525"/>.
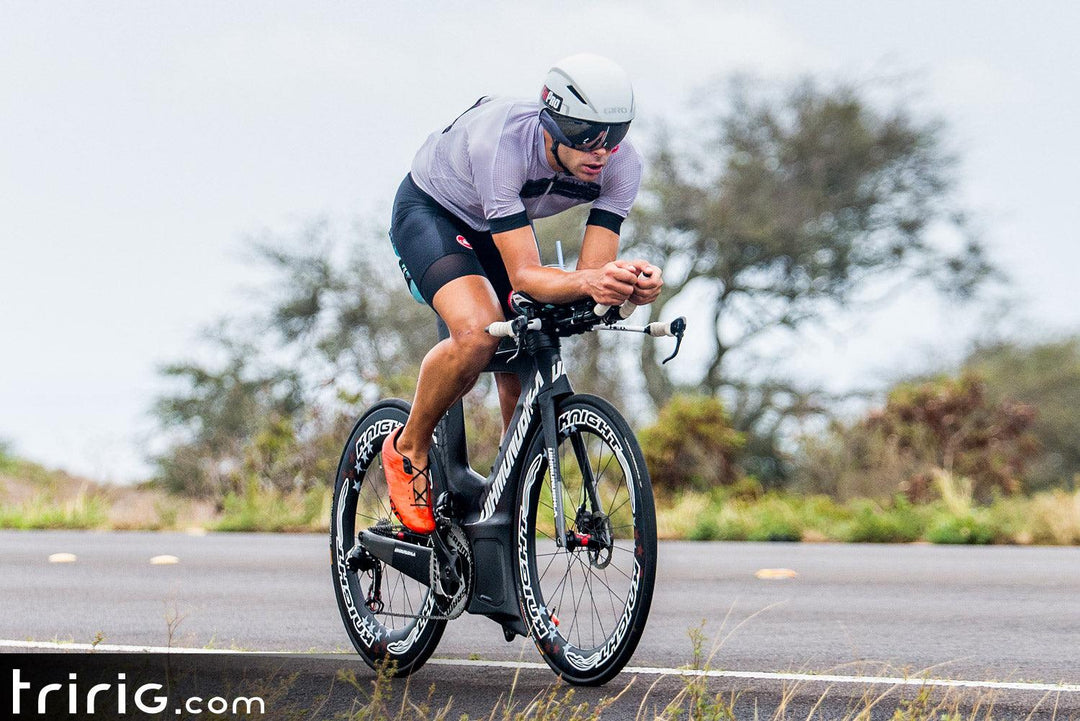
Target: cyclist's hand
<point x="649" y="283"/>
<point x="613" y="283"/>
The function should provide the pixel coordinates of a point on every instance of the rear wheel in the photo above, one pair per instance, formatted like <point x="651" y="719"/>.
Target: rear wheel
<point x="586" y="601"/>
<point x="379" y="605"/>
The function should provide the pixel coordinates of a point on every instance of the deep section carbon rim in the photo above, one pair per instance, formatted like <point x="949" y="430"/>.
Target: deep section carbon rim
<point x="586" y="601"/>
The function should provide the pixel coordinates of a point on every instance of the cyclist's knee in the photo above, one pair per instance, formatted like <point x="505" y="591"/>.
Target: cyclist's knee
<point x="474" y="344"/>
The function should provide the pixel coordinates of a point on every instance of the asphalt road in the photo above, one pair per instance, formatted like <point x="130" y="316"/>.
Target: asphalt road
<point x="980" y="614"/>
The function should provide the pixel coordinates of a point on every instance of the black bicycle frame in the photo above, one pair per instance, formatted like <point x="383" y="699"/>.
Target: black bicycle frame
<point x="486" y="507"/>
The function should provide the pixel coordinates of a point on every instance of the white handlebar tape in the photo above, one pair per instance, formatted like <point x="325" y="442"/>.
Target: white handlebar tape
<point x="501" y="329"/>
<point x="625" y="310"/>
<point x="659" y="329"/>
<point x="505" y="328"/>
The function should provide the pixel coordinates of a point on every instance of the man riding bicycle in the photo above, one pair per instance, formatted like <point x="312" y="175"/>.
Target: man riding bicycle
<point x="462" y="229"/>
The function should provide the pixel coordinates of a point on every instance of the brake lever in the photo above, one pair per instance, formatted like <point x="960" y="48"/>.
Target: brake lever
<point x="518" y="324"/>
<point x="678" y="328"/>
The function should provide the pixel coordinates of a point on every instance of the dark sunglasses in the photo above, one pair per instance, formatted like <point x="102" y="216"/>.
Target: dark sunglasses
<point x="583" y="135"/>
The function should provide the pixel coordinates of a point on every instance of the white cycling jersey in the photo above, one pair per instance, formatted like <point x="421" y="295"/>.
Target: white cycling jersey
<point x="490" y="169"/>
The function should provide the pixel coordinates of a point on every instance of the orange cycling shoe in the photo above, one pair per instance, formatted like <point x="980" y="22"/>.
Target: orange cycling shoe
<point x="412" y="507"/>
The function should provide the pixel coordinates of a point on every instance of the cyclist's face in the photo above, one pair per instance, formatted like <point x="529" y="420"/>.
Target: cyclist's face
<point x="584" y="164"/>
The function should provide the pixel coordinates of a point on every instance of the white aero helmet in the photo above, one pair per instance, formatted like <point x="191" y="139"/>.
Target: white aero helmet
<point x="588" y="102"/>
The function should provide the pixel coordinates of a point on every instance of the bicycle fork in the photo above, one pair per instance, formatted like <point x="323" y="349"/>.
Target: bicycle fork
<point x="557" y="386"/>
<point x="551" y="446"/>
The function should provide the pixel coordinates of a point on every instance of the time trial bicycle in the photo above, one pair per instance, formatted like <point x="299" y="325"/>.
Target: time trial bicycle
<point x="557" y="543"/>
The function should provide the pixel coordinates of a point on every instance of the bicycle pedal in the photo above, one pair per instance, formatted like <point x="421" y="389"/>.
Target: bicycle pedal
<point x="445" y="509"/>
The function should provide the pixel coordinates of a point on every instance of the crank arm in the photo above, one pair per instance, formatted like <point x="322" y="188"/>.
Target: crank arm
<point x="412" y="560"/>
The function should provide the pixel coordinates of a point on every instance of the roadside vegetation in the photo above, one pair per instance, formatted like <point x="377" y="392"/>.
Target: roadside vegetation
<point x="743" y="511"/>
<point x="383" y="697"/>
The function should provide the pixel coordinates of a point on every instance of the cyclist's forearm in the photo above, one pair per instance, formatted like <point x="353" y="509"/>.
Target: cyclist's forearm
<point x="598" y="247"/>
<point x="521" y="257"/>
<point x="552" y="285"/>
<point x="598" y="276"/>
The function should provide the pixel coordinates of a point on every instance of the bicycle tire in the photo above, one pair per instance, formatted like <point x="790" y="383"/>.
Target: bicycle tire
<point x="361" y="501"/>
<point x="586" y="612"/>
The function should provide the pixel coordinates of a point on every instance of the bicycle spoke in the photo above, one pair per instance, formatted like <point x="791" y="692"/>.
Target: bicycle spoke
<point x="621" y="572"/>
<point x="603" y="470"/>
<point x="577" y="604"/>
<point x="566" y="582"/>
<point x="622" y="505"/>
<point x="594" y="616"/>
<point x="552" y="561"/>
<point x="588" y="481"/>
<point x="611" y="591"/>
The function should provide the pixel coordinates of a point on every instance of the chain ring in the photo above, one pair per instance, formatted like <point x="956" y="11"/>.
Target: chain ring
<point x="453" y="606"/>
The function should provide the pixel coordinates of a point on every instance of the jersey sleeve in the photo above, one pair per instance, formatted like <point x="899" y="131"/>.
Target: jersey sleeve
<point x="620" y="188"/>
<point x="498" y="174"/>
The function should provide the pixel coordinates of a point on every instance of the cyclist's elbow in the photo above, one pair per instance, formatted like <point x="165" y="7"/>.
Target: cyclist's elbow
<point x="526" y="279"/>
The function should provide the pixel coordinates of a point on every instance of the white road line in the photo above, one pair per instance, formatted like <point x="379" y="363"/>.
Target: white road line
<point x="105" y="647"/>
<point x="638" y="670"/>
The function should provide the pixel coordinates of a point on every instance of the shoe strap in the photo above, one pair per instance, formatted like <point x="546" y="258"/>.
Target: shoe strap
<point x="420" y="498"/>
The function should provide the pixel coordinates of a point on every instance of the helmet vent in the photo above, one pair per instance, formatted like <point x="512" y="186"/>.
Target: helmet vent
<point x="577" y="95"/>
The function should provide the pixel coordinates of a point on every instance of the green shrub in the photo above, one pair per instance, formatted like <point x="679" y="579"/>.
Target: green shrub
<point x="941" y="426"/>
<point x="734" y="528"/>
<point x="774" y="519"/>
<point x="1046" y="376"/>
<point x="707" y="528"/>
<point x="951" y="423"/>
<point x="970" y="529"/>
<point x="873" y="524"/>
<point x="260" y="509"/>
<point x="691" y="445"/>
<point x="821" y="512"/>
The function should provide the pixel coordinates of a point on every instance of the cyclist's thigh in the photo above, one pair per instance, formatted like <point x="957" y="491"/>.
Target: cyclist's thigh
<point x="431" y="242"/>
<point x="494" y="268"/>
<point x="468" y="305"/>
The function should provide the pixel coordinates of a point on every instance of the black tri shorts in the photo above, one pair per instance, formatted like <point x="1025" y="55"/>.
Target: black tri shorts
<point x="434" y="247"/>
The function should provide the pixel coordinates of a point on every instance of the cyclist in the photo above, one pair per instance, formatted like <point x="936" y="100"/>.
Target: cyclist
<point x="461" y="228"/>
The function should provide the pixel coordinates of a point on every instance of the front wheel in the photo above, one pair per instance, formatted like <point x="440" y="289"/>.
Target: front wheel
<point x="586" y="600"/>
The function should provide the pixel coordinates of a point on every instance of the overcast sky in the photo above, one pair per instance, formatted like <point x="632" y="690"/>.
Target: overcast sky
<point x="140" y="143"/>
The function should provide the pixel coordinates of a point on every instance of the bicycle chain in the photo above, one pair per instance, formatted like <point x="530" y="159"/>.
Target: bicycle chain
<point x="457" y="537"/>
